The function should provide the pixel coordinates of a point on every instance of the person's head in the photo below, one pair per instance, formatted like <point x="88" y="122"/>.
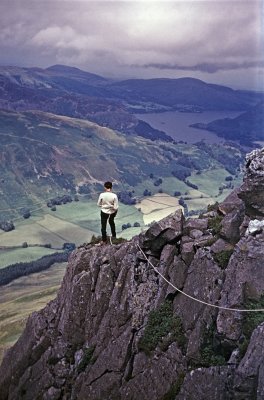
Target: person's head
<point x="108" y="185"/>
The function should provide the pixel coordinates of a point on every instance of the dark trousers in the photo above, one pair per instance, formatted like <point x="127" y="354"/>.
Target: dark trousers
<point x="110" y="218"/>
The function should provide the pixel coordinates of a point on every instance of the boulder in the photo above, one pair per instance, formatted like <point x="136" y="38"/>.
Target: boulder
<point x="168" y="230"/>
<point x="221" y="245"/>
<point x="231" y="203"/>
<point x="230" y="226"/>
<point x="197" y="223"/>
<point x="196" y="233"/>
<point x="187" y="252"/>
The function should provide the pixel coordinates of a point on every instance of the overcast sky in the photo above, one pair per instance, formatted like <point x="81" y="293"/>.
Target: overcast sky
<point x="215" y="40"/>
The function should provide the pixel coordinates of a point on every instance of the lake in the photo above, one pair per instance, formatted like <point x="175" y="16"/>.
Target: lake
<point x="176" y="124"/>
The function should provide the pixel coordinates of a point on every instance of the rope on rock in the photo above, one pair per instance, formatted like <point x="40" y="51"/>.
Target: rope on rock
<point x="193" y="298"/>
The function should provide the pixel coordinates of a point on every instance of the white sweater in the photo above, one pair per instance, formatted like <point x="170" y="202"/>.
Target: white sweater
<point x="108" y="202"/>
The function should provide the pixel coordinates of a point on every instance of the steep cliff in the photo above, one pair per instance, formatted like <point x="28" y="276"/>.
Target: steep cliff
<point x="118" y="330"/>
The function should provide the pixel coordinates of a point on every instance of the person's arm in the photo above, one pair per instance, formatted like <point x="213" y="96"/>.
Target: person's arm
<point x="115" y="203"/>
<point x="100" y="200"/>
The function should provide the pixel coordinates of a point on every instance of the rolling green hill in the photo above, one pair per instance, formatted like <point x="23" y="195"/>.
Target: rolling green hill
<point x="43" y="155"/>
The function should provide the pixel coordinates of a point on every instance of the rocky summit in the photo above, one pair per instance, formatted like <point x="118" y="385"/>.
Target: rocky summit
<point x="156" y="317"/>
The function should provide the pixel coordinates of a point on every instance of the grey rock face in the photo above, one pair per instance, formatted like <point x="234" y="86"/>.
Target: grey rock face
<point x="118" y="330"/>
<point x="252" y="190"/>
<point x="244" y="281"/>
<point x="249" y="375"/>
<point x="210" y="383"/>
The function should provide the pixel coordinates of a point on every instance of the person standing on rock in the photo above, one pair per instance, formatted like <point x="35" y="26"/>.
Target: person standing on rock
<point x="108" y="202"/>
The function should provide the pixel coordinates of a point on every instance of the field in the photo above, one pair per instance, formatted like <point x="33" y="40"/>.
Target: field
<point x="157" y="207"/>
<point x="21" y="297"/>
<point x="12" y="256"/>
<point x="210" y="181"/>
<point x="44" y="230"/>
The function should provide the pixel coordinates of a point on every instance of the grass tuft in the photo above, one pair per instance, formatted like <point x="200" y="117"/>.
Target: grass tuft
<point x="175" y="388"/>
<point x="215" y="224"/>
<point x="211" y="351"/>
<point x="163" y="328"/>
<point x="222" y="258"/>
<point x="86" y="359"/>
<point x="251" y="321"/>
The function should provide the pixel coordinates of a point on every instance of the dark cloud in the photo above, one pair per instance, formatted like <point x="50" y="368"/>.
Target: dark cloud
<point x="211" y="68"/>
<point x="127" y="38"/>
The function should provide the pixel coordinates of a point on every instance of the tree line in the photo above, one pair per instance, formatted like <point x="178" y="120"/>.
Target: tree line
<point x="17" y="270"/>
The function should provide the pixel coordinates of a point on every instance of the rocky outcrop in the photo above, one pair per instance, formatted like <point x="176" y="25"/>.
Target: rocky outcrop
<point x="149" y="318"/>
<point x="252" y="190"/>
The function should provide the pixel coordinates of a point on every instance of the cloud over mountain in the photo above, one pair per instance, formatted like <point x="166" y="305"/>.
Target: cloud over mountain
<point x="112" y="37"/>
<point x="208" y="67"/>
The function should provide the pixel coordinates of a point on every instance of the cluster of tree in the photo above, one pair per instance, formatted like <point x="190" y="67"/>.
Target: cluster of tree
<point x="182" y="202"/>
<point x="158" y="182"/>
<point x="174" y="152"/>
<point x="177" y="193"/>
<point x="192" y="185"/>
<point x="228" y="185"/>
<point x="14" y="271"/>
<point x="25" y="212"/>
<point x="59" y="200"/>
<point x="194" y="212"/>
<point x="84" y="189"/>
<point x="230" y="162"/>
<point x="69" y="247"/>
<point x="224" y="155"/>
<point x="7" y="226"/>
<point x="125" y="197"/>
<point x="184" y="205"/>
<point x="181" y="172"/>
<point x="147" y="192"/>
<point x="128" y="225"/>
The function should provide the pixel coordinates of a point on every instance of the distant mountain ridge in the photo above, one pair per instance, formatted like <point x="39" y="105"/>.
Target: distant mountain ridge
<point x="183" y="91"/>
<point x="170" y="93"/>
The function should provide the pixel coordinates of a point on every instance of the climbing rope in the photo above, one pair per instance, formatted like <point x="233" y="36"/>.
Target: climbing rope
<point x="193" y="298"/>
